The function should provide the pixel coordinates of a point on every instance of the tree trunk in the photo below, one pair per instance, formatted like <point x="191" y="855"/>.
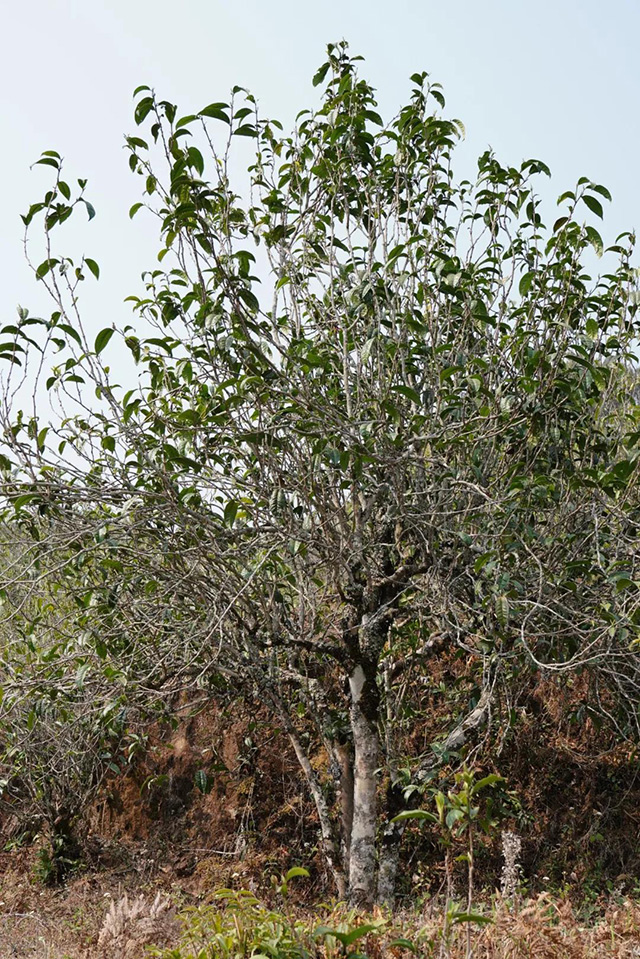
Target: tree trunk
<point x="343" y="755"/>
<point x="364" y="714"/>
<point x="390" y="847"/>
<point x="389" y="855"/>
<point x="388" y="871"/>
<point x="66" y="851"/>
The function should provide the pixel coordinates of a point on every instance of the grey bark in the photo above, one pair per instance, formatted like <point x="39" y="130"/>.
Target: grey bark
<point x="362" y="863"/>
<point x="388" y="868"/>
<point x="390" y="843"/>
<point x="458" y="736"/>
<point x="343" y="754"/>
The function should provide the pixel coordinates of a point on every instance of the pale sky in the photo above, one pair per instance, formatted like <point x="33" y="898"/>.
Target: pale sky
<point x="554" y="79"/>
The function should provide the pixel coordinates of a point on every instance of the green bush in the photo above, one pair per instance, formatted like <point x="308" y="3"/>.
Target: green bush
<point x="239" y="925"/>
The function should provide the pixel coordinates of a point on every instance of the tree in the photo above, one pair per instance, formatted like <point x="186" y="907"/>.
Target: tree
<point x="62" y="721"/>
<point x="381" y="415"/>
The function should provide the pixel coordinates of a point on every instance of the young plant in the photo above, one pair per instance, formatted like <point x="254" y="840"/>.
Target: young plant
<point x="460" y="813"/>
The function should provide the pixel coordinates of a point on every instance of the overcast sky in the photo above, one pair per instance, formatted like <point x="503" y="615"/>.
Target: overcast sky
<point x="554" y="79"/>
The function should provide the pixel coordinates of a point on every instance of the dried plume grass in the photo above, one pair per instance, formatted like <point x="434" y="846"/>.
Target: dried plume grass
<point x="129" y="926"/>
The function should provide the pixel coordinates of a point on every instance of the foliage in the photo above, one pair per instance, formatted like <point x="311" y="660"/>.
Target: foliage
<point x="240" y="925"/>
<point x="459" y="814"/>
<point x="57" y="864"/>
<point x="61" y="723"/>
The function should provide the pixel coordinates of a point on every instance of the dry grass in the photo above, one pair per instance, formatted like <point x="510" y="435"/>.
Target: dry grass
<point x="540" y="929"/>
<point x="548" y="930"/>
<point x="38" y="922"/>
<point x="80" y="922"/>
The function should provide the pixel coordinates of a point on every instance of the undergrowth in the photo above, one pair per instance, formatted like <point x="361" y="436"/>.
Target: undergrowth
<point x="238" y="925"/>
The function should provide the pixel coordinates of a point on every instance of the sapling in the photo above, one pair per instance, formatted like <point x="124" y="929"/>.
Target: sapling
<point x="459" y="816"/>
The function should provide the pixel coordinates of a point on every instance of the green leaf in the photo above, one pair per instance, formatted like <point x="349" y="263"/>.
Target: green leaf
<point x="134" y="209"/>
<point x="594" y="205"/>
<point x="93" y="266"/>
<point x="595" y="239"/>
<point x="365" y="352"/>
<point x="23" y="500"/>
<point x="502" y="610"/>
<point x="44" y="268"/>
<point x="250" y="299"/>
<point x="602" y="190"/>
<point x="137" y="142"/>
<point x="347" y="938"/>
<point x="592" y="328"/>
<point x="320" y="74"/>
<point x="90" y="209"/>
<point x="489" y="780"/>
<point x="102" y="339"/>
<point x="359" y="932"/>
<point x="448" y="373"/>
<point x="230" y="512"/>
<point x="69" y="330"/>
<point x="196" y="159"/>
<point x="278" y="501"/>
<point x="403" y="944"/>
<point x="203" y="782"/>
<point x="623" y="583"/>
<point x="453" y="816"/>
<point x="420" y="814"/>
<point x="472" y="917"/>
<point x="525" y="283"/>
<point x="407" y="391"/>
<point x="47" y="161"/>
<point x="80" y="675"/>
<point x="217" y="111"/>
<point x="185" y="121"/>
<point x="296" y="871"/>
<point x="142" y="109"/>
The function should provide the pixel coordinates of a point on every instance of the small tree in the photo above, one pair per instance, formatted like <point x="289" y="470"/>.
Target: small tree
<point x="381" y="415"/>
<point x="62" y="716"/>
